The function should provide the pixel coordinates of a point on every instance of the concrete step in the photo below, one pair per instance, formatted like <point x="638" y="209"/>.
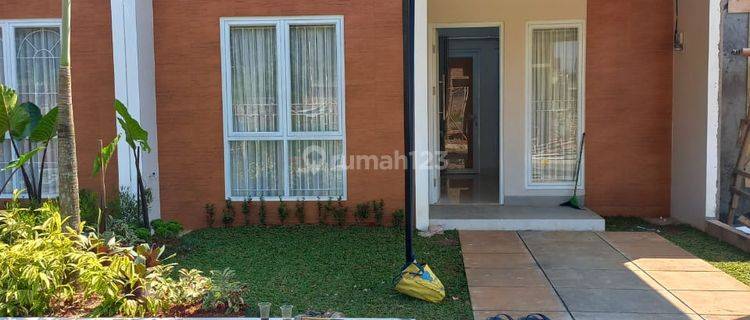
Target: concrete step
<point x="497" y="217"/>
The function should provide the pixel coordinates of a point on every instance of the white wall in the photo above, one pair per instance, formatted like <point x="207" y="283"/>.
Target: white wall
<point x="695" y="114"/>
<point x="514" y="15"/>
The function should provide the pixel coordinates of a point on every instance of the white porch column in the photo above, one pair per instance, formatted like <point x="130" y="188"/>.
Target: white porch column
<point x="133" y="51"/>
<point x="421" y="117"/>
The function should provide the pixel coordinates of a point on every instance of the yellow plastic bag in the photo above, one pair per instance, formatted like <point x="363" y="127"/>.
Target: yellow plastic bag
<point x="417" y="280"/>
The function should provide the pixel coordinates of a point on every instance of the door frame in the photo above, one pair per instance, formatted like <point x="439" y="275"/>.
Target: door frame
<point x="433" y="101"/>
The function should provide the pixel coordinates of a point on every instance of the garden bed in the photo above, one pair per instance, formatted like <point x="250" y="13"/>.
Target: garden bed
<point x="349" y="270"/>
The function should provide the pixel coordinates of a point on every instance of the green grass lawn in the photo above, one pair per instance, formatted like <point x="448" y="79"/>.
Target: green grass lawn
<point x="330" y="269"/>
<point x="723" y="256"/>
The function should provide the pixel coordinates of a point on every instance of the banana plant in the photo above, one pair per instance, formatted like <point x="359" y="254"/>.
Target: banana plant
<point x="137" y="139"/>
<point x="26" y="127"/>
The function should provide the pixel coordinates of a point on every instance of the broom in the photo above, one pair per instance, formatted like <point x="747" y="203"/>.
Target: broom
<point x="574" y="202"/>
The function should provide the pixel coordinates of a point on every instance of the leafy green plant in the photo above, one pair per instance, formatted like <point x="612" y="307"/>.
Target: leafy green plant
<point x="246" y="207"/>
<point x="299" y="211"/>
<point x="283" y="211"/>
<point x="125" y="233"/>
<point x="43" y="262"/>
<point x="137" y="139"/>
<point x="321" y="211"/>
<point x="378" y="209"/>
<point x="210" y="211"/>
<point x="398" y="218"/>
<point x="89" y="204"/>
<point x="225" y="293"/>
<point x="362" y="212"/>
<point x="125" y="207"/>
<point x="29" y="131"/>
<point x="328" y="209"/>
<point x="227" y="216"/>
<point x="339" y="212"/>
<point x="166" y="230"/>
<point x="262" y="210"/>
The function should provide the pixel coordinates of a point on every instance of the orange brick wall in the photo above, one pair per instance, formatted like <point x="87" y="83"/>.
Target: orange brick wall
<point x="93" y="75"/>
<point x="189" y="112"/>
<point x="629" y="107"/>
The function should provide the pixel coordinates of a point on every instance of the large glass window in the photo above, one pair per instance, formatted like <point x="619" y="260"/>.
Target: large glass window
<point x="283" y="104"/>
<point x="554" y="102"/>
<point x="29" y="62"/>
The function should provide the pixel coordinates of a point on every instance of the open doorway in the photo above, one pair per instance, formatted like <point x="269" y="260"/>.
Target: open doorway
<point x="469" y="114"/>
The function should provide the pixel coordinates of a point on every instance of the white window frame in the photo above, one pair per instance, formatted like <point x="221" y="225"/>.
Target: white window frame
<point x="283" y="70"/>
<point x="8" y="51"/>
<point x="580" y="25"/>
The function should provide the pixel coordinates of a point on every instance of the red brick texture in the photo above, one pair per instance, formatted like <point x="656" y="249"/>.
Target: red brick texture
<point x="93" y="76"/>
<point x="629" y="107"/>
<point x="189" y="99"/>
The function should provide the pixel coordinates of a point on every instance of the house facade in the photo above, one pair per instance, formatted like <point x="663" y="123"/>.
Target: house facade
<point x="304" y="101"/>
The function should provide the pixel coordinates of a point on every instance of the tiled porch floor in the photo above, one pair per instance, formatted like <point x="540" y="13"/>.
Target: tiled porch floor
<point x="588" y="275"/>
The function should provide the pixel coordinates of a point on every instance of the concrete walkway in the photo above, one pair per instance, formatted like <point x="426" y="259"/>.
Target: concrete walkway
<point x="588" y="275"/>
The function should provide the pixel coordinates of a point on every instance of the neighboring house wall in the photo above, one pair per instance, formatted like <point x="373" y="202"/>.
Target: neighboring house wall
<point x="93" y="84"/>
<point x="734" y="98"/>
<point x="189" y="99"/>
<point x="629" y="107"/>
<point x="514" y="15"/>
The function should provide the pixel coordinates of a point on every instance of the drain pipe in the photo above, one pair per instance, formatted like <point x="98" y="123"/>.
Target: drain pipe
<point x="408" y="36"/>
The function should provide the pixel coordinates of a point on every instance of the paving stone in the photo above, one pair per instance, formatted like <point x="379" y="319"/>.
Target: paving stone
<point x="491" y="242"/>
<point x="558" y="236"/>
<point x="633" y="316"/>
<point x="540" y="299"/>
<point x="527" y="277"/>
<point x="682" y="280"/>
<point x="601" y="279"/>
<point x="587" y="260"/>
<point x="483" y="315"/>
<point x="499" y="260"/>
<point x="726" y="317"/>
<point x="622" y="301"/>
<point x="634" y="250"/>
<point x="572" y="247"/>
<point x="716" y="302"/>
<point x="674" y="264"/>
<point x="637" y="237"/>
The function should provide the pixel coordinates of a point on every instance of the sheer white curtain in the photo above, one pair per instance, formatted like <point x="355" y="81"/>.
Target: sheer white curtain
<point x="554" y="104"/>
<point x="314" y="78"/>
<point x="305" y="156"/>
<point x="254" y="87"/>
<point x="316" y="168"/>
<point x="257" y="168"/>
<point x="37" y="62"/>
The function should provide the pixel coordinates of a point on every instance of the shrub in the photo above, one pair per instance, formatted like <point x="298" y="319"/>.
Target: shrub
<point x="398" y="218"/>
<point x="210" y="214"/>
<point x="300" y="211"/>
<point x="227" y="216"/>
<point x="339" y="212"/>
<point x="378" y="209"/>
<point x="89" y="204"/>
<point x="42" y="264"/>
<point x="125" y="233"/>
<point x="36" y="262"/>
<point x="225" y="293"/>
<point x="283" y="212"/>
<point x="362" y="212"/>
<point x="166" y="230"/>
<point x="262" y="211"/>
<point x="125" y="207"/>
<point x="321" y="212"/>
<point x="246" y="205"/>
<point x="328" y="209"/>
